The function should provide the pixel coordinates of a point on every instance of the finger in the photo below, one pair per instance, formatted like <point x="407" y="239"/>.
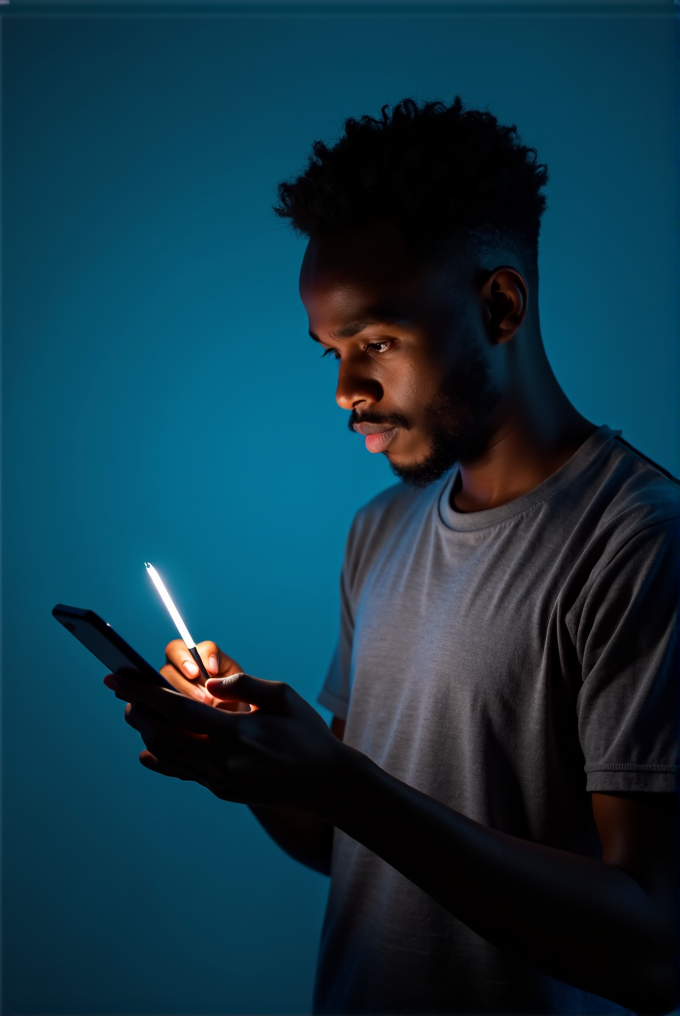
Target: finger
<point x="183" y="712"/>
<point x="145" y="721"/>
<point x="192" y="689"/>
<point x="155" y="765"/>
<point x="270" y="695"/>
<point x="185" y="688"/>
<point x="182" y="750"/>
<point x="217" y="663"/>
<point x="232" y="706"/>
<point x="136" y="691"/>
<point x="148" y="721"/>
<point x="152" y="724"/>
<point x="177" y="654"/>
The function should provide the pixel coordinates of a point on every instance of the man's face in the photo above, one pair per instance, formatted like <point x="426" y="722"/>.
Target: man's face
<point x="413" y="363"/>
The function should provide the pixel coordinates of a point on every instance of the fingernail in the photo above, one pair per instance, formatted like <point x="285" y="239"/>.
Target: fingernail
<point x="190" y="668"/>
<point x="213" y="665"/>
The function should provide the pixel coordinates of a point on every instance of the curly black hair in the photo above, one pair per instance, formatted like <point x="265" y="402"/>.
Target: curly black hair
<point x="439" y="172"/>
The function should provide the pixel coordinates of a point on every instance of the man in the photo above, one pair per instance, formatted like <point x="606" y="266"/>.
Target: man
<point x="497" y="809"/>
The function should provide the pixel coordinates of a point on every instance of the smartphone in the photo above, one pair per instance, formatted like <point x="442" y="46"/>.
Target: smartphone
<point x="107" y="645"/>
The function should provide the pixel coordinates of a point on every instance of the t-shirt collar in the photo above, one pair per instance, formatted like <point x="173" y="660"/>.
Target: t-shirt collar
<point x="472" y="521"/>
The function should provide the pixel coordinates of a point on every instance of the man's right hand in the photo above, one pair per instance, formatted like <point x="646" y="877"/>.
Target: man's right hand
<point x="304" y="837"/>
<point x="181" y="671"/>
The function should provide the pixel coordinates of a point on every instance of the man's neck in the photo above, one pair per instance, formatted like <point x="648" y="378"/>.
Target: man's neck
<point x="519" y="457"/>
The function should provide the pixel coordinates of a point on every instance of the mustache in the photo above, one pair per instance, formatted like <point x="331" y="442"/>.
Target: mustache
<point x="389" y="419"/>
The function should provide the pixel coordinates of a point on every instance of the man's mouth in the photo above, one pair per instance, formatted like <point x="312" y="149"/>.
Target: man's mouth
<point x="378" y="436"/>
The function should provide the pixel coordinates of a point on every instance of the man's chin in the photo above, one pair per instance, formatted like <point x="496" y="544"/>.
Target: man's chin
<point x="423" y="473"/>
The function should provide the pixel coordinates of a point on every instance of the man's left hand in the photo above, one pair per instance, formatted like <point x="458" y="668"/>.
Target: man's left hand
<point x="279" y="754"/>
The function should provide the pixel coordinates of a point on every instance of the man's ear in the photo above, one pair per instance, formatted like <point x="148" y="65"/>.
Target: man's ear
<point x="504" y="298"/>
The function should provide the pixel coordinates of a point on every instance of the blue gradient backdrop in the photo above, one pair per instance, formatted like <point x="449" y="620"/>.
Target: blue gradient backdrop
<point x="161" y="400"/>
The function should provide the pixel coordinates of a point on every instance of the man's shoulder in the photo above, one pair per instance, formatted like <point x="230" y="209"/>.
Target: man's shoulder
<point x="637" y="489"/>
<point x="622" y="501"/>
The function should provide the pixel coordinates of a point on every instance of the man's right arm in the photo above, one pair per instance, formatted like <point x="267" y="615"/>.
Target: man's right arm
<point x="304" y="837"/>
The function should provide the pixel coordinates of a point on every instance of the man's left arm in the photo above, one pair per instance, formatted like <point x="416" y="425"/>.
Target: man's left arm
<point x="609" y="927"/>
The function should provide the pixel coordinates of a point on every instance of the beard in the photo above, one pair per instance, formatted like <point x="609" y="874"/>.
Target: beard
<point x="457" y="420"/>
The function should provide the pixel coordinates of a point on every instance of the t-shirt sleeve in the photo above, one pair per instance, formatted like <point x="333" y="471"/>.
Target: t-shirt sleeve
<point x="627" y="642"/>
<point x="336" y="689"/>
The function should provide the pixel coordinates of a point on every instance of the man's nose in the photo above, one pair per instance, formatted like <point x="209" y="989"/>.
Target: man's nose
<point x="355" y="386"/>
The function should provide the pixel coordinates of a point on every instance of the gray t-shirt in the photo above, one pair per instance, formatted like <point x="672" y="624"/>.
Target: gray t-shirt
<point x="504" y="662"/>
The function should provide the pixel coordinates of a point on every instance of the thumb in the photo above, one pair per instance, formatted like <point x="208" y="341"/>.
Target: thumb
<point x="268" y="695"/>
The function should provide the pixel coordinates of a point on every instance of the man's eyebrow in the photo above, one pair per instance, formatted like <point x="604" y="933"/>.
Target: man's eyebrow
<point x="348" y="331"/>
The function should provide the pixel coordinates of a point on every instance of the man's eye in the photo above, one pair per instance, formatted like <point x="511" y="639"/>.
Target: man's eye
<point x="331" y="352"/>
<point x="379" y="347"/>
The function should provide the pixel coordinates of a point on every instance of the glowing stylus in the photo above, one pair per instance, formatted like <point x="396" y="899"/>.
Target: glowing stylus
<point x="175" y="615"/>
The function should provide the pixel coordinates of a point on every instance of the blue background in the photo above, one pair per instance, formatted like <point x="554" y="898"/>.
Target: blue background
<point x="162" y="401"/>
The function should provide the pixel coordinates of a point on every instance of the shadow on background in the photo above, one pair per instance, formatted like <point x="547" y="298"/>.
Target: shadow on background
<point x="162" y="401"/>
